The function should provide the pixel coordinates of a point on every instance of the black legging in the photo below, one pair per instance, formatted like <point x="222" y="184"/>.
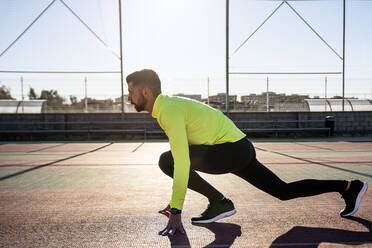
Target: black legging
<point x="239" y="158"/>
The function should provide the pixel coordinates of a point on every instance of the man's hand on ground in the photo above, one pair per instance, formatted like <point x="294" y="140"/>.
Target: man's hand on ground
<point x="165" y="211"/>
<point x="174" y="225"/>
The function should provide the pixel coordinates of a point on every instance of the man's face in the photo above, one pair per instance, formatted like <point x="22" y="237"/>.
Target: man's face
<point x="136" y="97"/>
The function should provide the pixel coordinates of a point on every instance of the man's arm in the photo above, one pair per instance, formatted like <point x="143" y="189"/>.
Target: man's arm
<point x="173" y="121"/>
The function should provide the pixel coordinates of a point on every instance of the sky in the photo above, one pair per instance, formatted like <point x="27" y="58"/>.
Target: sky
<point x="184" y="41"/>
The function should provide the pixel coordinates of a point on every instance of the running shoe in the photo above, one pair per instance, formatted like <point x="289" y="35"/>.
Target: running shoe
<point x="215" y="211"/>
<point x="352" y="197"/>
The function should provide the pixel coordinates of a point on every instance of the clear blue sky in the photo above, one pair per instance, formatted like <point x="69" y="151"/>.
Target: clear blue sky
<point x="184" y="41"/>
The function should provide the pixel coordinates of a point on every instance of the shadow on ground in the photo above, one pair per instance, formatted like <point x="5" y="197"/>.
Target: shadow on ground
<point x="302" y="236"/>
<point x="298" y="236"/>
<point x="224" y="234"/>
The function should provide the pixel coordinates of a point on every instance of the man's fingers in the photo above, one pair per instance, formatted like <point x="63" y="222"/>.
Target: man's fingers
<point x="171" y="231"/>
<point x="161" y="232"/>
<point x="174" y="225"/>
<point x="167" y="230"/>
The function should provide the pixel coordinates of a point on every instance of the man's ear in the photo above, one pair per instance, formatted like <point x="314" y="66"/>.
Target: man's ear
<point x="146" y="92"/>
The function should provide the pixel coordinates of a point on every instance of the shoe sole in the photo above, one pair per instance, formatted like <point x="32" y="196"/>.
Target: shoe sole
<point x="218" y="217"/>
<point x="359" y="198"/>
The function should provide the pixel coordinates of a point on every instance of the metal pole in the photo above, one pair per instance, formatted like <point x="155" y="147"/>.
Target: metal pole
<point x="325" y="94"/>
<point x="121" y="62"/>
<point x="343" y="61"/>
<point x="23" y="98"/>
<point x="267" y="94"/>
<point x="86" y="95"/>
<point x="227" y="57"/>
<point x="208" y="91"/>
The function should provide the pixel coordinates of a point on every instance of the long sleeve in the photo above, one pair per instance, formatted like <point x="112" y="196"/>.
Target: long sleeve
<point x="173" y="122"/>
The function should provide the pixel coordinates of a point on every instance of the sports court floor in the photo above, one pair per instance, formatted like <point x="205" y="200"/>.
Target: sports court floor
<point x="107" y="194"/>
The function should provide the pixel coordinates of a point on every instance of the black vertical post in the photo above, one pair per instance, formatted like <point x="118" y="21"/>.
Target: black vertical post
<point x="121" y="62"/>
<point x="227" y="57"/>
<point x="330" y="123"/>
<point x="23" y="98"/>
<point x="343" y="61"/>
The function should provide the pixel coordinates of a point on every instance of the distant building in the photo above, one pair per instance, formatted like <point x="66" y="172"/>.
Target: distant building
<point x="274" y="98"/>
<point x="128" y="107"/>
<point x="219" y="101"/>
<point x="105" y="105"/>
<point x="194" y="97"/>
<point x="277" y="102"/>
<point x="19" y="107"/>
<point x="221" y="98"/>
<point x="118" y="99"/>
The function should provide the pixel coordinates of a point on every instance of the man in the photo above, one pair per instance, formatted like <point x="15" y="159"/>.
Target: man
<point x="204" y="139"/>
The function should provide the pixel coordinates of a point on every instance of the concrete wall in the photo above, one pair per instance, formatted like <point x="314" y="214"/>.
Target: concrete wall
<point x="346" y="124"/>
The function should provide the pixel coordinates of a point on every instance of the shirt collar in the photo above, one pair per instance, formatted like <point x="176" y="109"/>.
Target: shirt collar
<point x="155" y="109"/>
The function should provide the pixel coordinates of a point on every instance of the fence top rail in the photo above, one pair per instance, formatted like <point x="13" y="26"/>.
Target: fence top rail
<point x="61" y="72"/>
<point x="144" y="131"/>
<point x="153" y="131"/>
<point x="280" y="121"/>
<point x="288" y="129"/>
<point x="147" y="122"/>
<point x="75" y="131"/>
<point x="287" y="73"/>
<point x="76" y="122"/>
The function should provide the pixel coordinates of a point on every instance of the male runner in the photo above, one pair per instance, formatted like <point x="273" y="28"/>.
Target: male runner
<point x="204" y="139"/>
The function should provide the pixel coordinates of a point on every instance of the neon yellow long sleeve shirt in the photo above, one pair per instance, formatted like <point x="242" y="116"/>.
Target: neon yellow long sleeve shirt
<point x="188" y="122"/>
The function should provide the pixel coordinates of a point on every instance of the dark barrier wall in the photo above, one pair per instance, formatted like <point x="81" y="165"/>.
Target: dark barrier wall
<point x="346" y="123"/>
<point x="142" y="125"/>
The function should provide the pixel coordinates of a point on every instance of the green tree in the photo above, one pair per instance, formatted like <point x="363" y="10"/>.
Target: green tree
<point x="5" y="93"/>
<point x="54" y="100"/>
<point x="73" y="99"/>
<point x="32" y="94"/>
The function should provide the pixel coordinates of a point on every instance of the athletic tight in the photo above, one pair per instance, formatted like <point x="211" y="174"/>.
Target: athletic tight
<point x="239" y="158"/>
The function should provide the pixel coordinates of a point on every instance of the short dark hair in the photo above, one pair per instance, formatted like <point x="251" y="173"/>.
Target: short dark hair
<point x="146" y="78"/>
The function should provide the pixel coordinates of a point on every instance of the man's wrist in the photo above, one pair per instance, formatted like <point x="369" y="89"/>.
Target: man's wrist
<point x="175" y="211"/>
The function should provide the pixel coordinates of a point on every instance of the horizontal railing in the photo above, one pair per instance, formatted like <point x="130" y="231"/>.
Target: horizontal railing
<point x="150" y="127"/>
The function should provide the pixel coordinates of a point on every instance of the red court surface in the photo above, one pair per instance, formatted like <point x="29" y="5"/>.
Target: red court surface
<point x="107" y="194"/>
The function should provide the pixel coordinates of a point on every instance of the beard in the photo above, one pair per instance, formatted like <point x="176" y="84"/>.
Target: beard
<point x="141" y="105"/>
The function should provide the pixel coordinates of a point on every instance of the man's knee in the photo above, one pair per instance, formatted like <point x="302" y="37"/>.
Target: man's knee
<point x="166" y="163"/>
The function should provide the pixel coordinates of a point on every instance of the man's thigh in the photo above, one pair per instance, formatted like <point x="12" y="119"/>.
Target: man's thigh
<point x="221" y="158"/>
